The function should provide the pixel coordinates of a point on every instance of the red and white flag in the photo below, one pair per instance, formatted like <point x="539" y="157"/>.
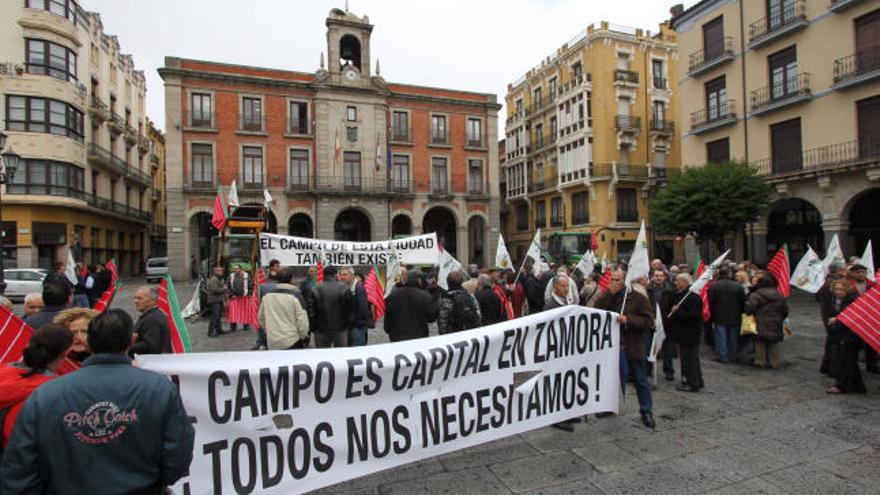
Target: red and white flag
<point x="704" y="292"/>
<point x="781" y="270"/>
<point x="14" y="336"/>
<point x="863" y="317"/>
<point x="221" y="210"/>
<point x="106" y="299"/>
<point x="605" y="281"/>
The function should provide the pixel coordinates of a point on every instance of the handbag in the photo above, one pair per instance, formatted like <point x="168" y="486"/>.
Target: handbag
<point x="748" y="325"/>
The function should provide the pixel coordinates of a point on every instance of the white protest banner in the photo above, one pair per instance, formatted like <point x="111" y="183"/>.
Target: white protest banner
<point x="301" y="251"/>
<point x="282" y="422"/>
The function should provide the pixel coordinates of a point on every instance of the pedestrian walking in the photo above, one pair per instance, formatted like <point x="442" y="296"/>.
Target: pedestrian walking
<point x="726" y="302"/>
<point x="216" y="296"/>
<point x="283" y="316"/>
<point x="330" y="303"/>
<point x="409" y="309"/>
<point x="770" y="309"/>
<point x="685" y="323"/>
<point x="151" y="330"/>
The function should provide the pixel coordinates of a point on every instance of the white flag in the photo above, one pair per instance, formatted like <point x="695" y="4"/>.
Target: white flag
<point x="809" y="274"/>
<point x="868" y="261"/>
<point x="534" y="251"/>
<point x="267" y="198"/>
<point x="195" y="304"/>
<point x="639" y="264"/>
<point x="502" y="257"/>
<point x="448" y="264"/>
<point x="604" y="262"/>
<point x="833" y="255"/>
<point x="70" y="271"/>
<point x="232" y="197"/>
<point x="708" y="273"/>
<point x="659" y="337"/>
<point x="587" y="263"/>
<point x="392" y="271"/>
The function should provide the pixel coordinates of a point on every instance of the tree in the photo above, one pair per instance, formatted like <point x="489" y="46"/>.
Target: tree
<point x="710" y="201"/>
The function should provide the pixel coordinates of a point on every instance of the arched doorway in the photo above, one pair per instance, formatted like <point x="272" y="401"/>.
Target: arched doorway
<point x="476" y="237"/>
<point x="401" y="225"/>
<point x="352" y="225"/>
<point x="797" y="223"/>
<point x="864" y="223"/>
<point x="201" y="232"/>
<point x="300" y="225"/>
<point x="441" y="221"/>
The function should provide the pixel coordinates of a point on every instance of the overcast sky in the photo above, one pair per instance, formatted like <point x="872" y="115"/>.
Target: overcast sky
<point x="476" y="45"/>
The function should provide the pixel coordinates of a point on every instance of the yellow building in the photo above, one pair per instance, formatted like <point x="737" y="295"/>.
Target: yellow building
<point x="590" y="133"/>
<point x="792" y="87"/>
<point x="73" y="108"/>
<point x="158" y="229"/>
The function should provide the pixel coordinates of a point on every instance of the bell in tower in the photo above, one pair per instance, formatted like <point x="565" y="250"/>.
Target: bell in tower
<point x="349" y="52"/>
<point x="348" y="46"/>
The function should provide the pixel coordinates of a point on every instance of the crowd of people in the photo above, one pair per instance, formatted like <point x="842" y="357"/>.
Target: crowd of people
<point x="79" y="361"/>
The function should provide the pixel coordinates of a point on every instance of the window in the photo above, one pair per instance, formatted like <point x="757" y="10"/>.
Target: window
<point x="351" y="114"/>
<point x="400" y="173"/>
<point x="657" y="71"/>
<point x="557" y="216"/>
<point x="868" y="119"/>
<point x="718" y="151"/>
<point x="200" y="114"/>
<point x="439" y="184"/>
<point x="779" y="13"/>
<point x="48" y="177"/>
<point x="108" y="239"/>
<point x="540" y="214"/>
<point x="202" y="165"/>
<point x="627" y="206"/>
<point x="577" y="70"/>
<point x="438" y="129"/>
<point x="522" y="218"/>
<point x="64" y="8"/>
<point x="580" y="207"/>
<point x="539" y="136"/>
<point x="519" y="106"/>
<point x="713" y="39"/>
<point x="536" y="98"/>
<point x="785" y="144"/>
<point x="299" y="169"/>
<point x="475" y="176"/>
<point x="299" y="117"/>
<point x="475" y="132"/>
<point x="554" y="128"/>
<point x="658" y="117"/>
<point x="552" y="89"/>
<point x="716" y="99"/>
<point x="251" y="114"/>
<point x="352" y="170"/>
<point x="252" y="161"/>
<point x="783" y="73"/>
<point x="50" y="59"/>
<point x="400" y="126"/>
<point x="32" y="114"/>
<point x="351" y="133"/>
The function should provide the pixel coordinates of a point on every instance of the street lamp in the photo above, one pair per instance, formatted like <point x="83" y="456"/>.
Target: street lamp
<point x="9" y="164"/>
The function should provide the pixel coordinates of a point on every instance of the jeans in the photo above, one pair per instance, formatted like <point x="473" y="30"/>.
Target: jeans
<point x="216" y="325"/>
<point x="639" y="368"/>
<point x="726" y="342"/>
<point x="81" y="300"/>
<point x="357" y="336"/>
<point x="261" y="338"/>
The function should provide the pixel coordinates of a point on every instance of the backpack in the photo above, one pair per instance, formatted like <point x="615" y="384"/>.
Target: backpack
<point x="465" y="312"/>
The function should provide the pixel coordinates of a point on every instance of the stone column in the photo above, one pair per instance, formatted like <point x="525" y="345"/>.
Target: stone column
<point x="461" y="244"/>
<point x="758" y="244"/>
<point x="179" y="246"/>
<point x="841" y="229"/>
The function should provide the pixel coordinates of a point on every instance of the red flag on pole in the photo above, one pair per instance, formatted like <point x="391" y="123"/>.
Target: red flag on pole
<point x="863" y="317"/>
<point x="780" y="269"/>
<point x="170" y="307"/>
<point x="221" y="210"/>
<point x="110" y="293"/>
<point x="605" y="281"/>
<point x="375" y="293"/>
<point x="14" y="336"/>
<point x="594" y="242"/>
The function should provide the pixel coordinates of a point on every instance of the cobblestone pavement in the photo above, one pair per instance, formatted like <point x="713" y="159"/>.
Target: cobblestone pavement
<point x="749" y="431"/>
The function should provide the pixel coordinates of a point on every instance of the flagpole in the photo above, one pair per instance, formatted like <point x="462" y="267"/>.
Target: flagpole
<point x="675" y="308"/>
<point x="520" y="270"/>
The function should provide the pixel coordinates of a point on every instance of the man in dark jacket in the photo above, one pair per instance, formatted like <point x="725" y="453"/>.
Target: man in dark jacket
<point x="685" y="323"/>
<point x="151" y="330"/>
<point x="492" y="309"/>
<point x="636" y="318"/>
<point x="59" y="273"/>
<point x="360" y="315"/>
<point x="659" y="290"/>
<point x="331" y="304"/>
<point x="57" y="297"/>
<point x="101" y="276"/>
<point x="109" y="426"/>
<point x="459" y="309"/>
<point x="216" y="295"/>
<point x="726" y="301"/>
<point x="409" y="309"/>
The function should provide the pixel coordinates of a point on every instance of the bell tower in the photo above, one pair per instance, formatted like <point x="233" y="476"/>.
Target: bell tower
<point x="348" y="48"/>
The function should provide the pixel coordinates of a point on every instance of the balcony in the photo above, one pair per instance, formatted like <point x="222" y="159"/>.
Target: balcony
<point x="298" y="185"/>
<point x="99" y="157"/>
<point x="124" y="211"/>
<point x="98" y="109"/>
<point x="857" y="68"/>
<point x="296" y="127"/>
<point x="791" y="18"/>
<point x="662" y="127"/>
<point x="612" y="171"/>
<point x="841" y="5"/>
<point x="251" y="123"/>
<point x="144" y="179"/>
<point x="440" y="189"/>
<point x="781" y="95"/>
<point x="44" y="189"/>
<point x="439" y="138"/>
<point x="708" y="119"/>
<point x="581" y="81"/>
<point x="131" y="135"/>
<point x="156" y="195"/>
<point x="659" y="175"/>
<point x="710" y="57"/>
<point x="626" y="78"/>
<point x="476" y="187"/>
<point x="544" y="184"/>
<point x="516" y="117"/>
<point x="340" y="185"/>
<point x="143" y="144"/>
<point x="154" y="161"/>
<point x="543" y="103"/>
<point x="200" y="121"/>
<point x="117" y="124"/>
<point x="475" y="143"/>
<point x="839" y="157"/>
<point x="401" y="137"/>
<point x="659" y="82"/>
<point x="627" y="124"/>
<point x="543" y="141"/>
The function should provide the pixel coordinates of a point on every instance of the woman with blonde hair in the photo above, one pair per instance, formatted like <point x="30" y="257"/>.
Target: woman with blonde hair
<point x="77" y="321"/>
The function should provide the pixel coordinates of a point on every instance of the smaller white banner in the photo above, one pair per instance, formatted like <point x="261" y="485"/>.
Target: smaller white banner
<point x="301" y="251"/>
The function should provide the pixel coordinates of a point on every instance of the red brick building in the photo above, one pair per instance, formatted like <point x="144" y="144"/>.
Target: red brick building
<point x="345" y="154"/>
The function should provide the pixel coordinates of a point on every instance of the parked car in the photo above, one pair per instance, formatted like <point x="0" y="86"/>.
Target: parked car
<point x="157" y="268"/>
<point x="23" y="281"/>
